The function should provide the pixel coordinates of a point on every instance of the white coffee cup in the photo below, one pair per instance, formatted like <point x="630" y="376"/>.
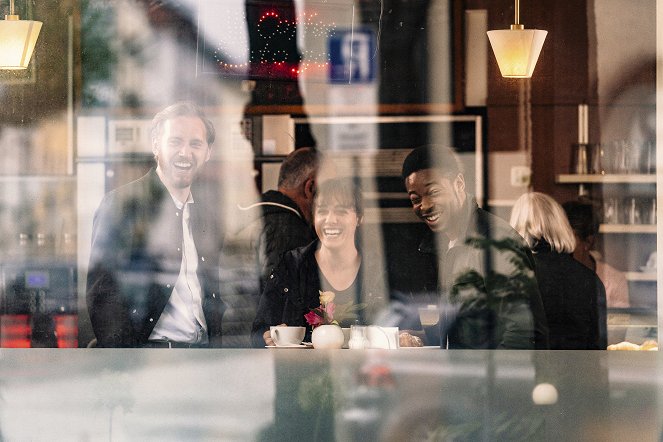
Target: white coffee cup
<point x="382" y="337"/>
<point x="284" y="336"/>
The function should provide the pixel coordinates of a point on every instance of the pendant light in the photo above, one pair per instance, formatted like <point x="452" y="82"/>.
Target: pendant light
<point x="17" y="40"/>
<point x="517" y="49"/>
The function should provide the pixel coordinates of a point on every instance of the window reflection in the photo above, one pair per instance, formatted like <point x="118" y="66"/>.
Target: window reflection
<point x="362" y="82"/>
<point x="351" y="79"/>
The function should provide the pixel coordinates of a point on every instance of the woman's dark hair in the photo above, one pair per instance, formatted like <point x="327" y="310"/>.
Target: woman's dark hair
<point x="344" y="190"/>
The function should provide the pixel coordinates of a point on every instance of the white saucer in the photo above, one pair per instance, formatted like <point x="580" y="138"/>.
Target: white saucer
<point x="289" y="346"/>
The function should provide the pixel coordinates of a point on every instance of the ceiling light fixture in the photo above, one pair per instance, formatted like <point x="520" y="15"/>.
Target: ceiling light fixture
<point x="517" y="49"/>
<point x="17" y="40"/>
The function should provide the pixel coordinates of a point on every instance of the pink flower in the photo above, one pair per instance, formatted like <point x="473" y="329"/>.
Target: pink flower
<point x="324" y="313"/>
<point x="329" y="312"/>
<point x="313" y="318"/>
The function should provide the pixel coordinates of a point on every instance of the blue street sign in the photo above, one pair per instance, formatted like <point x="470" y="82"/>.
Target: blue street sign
<point x="352" y="56"/>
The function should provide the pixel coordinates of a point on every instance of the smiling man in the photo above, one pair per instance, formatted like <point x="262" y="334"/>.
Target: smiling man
<point x="153" y="273"/>
<point x="488" y="293"/>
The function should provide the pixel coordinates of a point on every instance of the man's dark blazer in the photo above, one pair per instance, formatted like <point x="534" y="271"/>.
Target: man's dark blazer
<point x="136" y="257"/>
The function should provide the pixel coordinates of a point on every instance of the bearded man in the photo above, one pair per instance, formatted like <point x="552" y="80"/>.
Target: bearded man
<point x="153" y="274"/>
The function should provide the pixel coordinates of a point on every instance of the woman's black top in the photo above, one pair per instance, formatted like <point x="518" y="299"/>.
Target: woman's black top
<point x="573" y="299"/>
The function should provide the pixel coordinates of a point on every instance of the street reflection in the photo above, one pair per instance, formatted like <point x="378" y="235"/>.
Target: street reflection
<point x="281" y="394"/>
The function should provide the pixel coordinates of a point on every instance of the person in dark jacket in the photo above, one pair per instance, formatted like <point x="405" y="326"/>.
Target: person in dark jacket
<point x="584" y="222"/>
<point x="279" y="221"/>
<point x="153" y="274"/>
<point x="282" y="219"/>
<point x="573" y="295"/>
<point x="481" y="269"/>
<point x="332" y="263"/>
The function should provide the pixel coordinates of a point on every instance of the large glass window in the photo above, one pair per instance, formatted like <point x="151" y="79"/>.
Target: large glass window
<point x="361" y="83"/>
<point x="364" y="83"/>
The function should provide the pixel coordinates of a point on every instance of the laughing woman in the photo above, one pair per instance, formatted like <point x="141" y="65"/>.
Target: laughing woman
<point x="333" y="263"/>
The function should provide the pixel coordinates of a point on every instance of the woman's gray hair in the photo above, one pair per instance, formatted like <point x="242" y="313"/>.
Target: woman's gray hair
<point x="537" y="216"/>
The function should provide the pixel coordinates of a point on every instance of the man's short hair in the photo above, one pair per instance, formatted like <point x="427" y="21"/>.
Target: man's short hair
<point x="431" y="156"/>
<point x="298" y="166"/>
<point x="182" y="109"/>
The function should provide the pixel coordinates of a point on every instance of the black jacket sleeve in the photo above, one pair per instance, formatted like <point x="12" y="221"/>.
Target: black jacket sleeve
<point x="107" y="308"/>
<point x="290" y="292"/>
<point x="270" y="307"/>
<point x="282" y="232"/>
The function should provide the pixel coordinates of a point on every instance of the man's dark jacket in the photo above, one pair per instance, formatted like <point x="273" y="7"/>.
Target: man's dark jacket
<point x="277" y="225"/>
<point x="489" y="294"/>
<point x="136" y="257"/>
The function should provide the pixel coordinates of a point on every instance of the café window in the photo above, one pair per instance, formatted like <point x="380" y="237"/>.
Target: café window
<point x="362" y="82"/>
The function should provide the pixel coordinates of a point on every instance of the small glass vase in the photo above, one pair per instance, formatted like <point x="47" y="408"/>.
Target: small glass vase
<point x="327" y="336"/>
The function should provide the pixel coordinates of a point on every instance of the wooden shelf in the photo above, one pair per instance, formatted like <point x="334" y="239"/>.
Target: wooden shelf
<point x="36" y="178"/>
<point x="501" y="203"/>
<point x="606" y="179"/>
<point x="640" y="276"/>
<point x="385" y="195"/>
<point x="627" y="228"/>
<point x="395" y="215"/>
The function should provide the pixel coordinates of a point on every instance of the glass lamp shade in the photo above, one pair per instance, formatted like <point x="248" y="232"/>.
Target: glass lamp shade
<point x="17" y="42"/>
<point x="517" y="50"/>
